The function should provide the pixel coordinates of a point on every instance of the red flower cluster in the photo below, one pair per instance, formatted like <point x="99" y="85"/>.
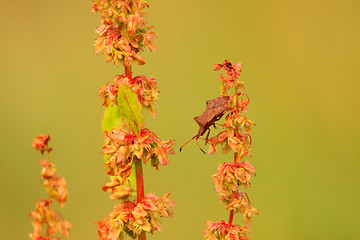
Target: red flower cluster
<point x="134" y="218"/>
<point x="227" y="181"/>
<point x="119" y="190"/>
<point x="41" y="143"/>
<point x="240" y="203"/>
<point x="234" y="134"/>
<point x="44" y="214"/>
<point x="230" y="79"/>
<point x="232" y="175"/>
<point x="236" y="128"/>
<point x="224" y="231"/>
<point x="123" y="31"/>
<point x="239" y="143"/>
<point x="123" y="147"/>
<point x="55" y="186"/>
<point x="144" y="87"/>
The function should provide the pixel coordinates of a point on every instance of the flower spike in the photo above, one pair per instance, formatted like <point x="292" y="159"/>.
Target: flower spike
<point x="122" y="36"/>
<point x="233" y="135"/>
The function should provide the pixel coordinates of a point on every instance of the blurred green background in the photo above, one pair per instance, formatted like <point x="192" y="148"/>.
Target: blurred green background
<point x="301" y="66"/>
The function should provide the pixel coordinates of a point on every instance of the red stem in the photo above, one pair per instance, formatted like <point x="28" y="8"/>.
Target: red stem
<point x="139" y="180"/>
<point x="232" y="211"/>
<point x="138" y="165"/>
<point x="139" y="187"/>
<point x="142" y="236"/>
<point x="128" y="72"/>
<point x="231" y="217"/>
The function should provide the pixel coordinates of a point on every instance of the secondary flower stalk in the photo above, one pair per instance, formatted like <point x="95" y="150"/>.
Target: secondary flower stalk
<point x="233" y="135"/>
<point x="55" y="186"/>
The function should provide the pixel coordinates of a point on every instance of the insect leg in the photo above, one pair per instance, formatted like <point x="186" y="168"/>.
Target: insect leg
<point x="207" y="136"/>
<point x="199" y="146"/>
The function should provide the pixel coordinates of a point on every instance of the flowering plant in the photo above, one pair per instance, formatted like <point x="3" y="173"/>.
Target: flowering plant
<point x="55" y="186"/>
<point x="233" y="135"/>
<point x="123" y="34"/>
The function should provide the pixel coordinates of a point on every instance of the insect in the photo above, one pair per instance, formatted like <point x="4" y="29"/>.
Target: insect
<point x="215" y="109"/>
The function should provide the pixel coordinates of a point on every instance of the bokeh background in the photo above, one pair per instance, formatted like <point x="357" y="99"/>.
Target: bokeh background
<point x="301" y="66"/>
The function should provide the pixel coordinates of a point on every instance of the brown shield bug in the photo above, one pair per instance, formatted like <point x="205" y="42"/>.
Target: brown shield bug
<point x="215" y="109"/>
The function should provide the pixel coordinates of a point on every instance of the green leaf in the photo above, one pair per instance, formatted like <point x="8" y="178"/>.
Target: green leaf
<point x="132" y="178"/>
<point x="112" y="118"/>
<point x="130" y="109"/>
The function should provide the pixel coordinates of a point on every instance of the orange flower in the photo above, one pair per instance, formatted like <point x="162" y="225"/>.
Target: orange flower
<point x="119" y="190"/>
<point x="232" y="175"/>
<point x="44" y="215"/>
<point x="41" y="143"/>
<point x="123" y="147"/>
<point x="222" y="230"/>
<point x="144" y="87"/>
<point x="55" y="186"/>
<point x="133" y="218"/>
<point x="123" y="32"/>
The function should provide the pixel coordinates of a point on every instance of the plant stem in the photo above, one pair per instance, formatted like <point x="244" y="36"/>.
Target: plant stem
<point x="139" y="180"/>
<point x="232" y="211"/>
<point x="142" y="236"/>
<point x="128" y="72"/>
<point x="231" y="217"/>
<point x="49" y="156"/>
<point x="50" y="180"/>
<point x="139" y="187"/>
<point x="138" y="165"/>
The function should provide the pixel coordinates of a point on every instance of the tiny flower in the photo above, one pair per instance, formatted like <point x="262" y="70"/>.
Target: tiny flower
<point x="123" y="147"/>
<point x="124" y="32"/>
<point x="45" y="215"/>
<point x="145" y="88"/>
<point x="232" y="175"/>
<point x="118" y="190"/>
<point x="223" y="231"/>
<point x="41" y="143"/>
<point x="217" y="67"/>
<point x="135" y="218"/>
<point x="243" y="105"/>
<point x="248" y="213"/>
<point x="55" y="186"/>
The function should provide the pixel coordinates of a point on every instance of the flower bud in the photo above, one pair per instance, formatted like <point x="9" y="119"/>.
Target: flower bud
<point x="228" y="178"/>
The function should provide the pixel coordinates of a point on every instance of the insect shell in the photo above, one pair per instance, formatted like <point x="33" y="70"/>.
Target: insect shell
<point x="215" y="109"/>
